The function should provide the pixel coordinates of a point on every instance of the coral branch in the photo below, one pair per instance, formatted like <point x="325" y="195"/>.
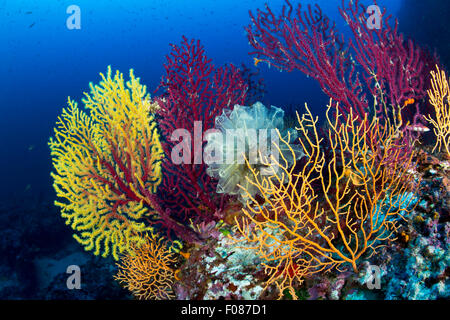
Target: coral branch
<point x="307" y="41"/>
<point x="108" y="164"/>
<point x="439" y="96"/>
<point x="193" y="90"/>
<point x="148" y="273"/>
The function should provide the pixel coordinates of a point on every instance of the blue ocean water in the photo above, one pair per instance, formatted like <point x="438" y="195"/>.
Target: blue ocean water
<point x="42" y="62"/>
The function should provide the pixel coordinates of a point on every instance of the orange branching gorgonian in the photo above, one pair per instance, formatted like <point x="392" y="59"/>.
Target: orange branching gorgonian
<point x="329" y="211"/>
<point x="147" y="271"/>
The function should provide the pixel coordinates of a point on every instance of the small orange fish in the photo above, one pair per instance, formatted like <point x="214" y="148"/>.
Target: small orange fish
<point x="186" y="255"/>
<point x="408" y="102"/>
<point x="256" y="61"/>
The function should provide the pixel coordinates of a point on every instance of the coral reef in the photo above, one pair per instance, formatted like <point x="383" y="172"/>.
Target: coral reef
<point x="415" y="264"/>
<point x="220" y="270"/>
<point x="389" y="66"/>
<point x="333" y="211"/>
<point x="185" y="193"/>
<point x="415" y="267"/>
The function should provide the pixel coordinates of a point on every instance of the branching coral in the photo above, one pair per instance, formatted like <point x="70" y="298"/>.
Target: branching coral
<point x="440" y="99"/>
<point x="306" y="39"/>
<point x="147" y="272"/>
<point x="107" y="164"/>
<point x="244" y="133"/>
<point x="376" y="67"/>
<point x="333" y="211"/>
<point x="194" y="92"/>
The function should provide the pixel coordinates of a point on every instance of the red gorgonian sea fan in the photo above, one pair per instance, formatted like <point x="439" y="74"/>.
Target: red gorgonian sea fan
<point x="193" y="93"/>
<point x="375" y="69"/>
<point x="372" y="64"/>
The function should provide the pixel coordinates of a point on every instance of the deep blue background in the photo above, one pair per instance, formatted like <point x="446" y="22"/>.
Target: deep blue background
<point x="42" y="62"/>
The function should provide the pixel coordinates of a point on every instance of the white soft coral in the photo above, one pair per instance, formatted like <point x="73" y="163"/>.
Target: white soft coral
<point x="252" y="133"/>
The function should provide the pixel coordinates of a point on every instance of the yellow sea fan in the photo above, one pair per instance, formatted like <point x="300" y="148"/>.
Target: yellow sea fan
<point x="107" y="164"/>
<point x="147" y="272"/>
